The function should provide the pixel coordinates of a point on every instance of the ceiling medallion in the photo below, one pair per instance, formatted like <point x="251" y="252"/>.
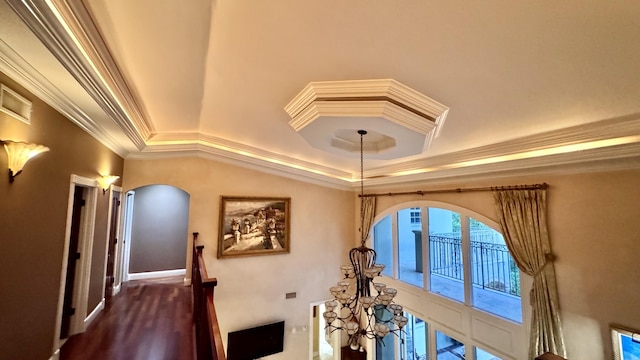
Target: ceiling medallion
<point x="401" y="121"/>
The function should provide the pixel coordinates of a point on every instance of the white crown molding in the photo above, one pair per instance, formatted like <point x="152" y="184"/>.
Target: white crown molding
<point x="22" y="72"/>
<point x="67" y="31"/>
<point x="324" y="108"/>
<point x="524" y="168"/>
<point x="567" y="141"/>
<point x="595" y="160"/>
<point x="362" y="89"/>
<point x="164" y="145"/>
<point x="213" y="148"/>
<point x="525" y="156"/>
<point x="248" y="163"/>
<point x="363" y="108"/>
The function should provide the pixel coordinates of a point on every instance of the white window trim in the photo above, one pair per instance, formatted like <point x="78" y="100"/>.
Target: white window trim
<point x="429" y="306"/>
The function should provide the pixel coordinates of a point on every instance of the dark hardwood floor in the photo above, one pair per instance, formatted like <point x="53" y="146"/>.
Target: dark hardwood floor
<point x="147" y="320"/>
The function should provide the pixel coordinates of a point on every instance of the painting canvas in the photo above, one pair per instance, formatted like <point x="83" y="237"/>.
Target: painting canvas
<point x="253" y="226"/>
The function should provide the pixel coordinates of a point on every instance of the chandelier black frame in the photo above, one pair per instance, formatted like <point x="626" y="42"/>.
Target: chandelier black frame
<point x="353" y="308"/>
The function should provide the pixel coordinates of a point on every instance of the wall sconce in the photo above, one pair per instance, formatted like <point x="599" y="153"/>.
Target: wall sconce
<point x="19" y="153"/>
<point x="106" y="181"/>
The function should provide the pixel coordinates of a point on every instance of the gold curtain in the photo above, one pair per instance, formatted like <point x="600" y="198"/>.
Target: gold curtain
<point x="368" y="214"/>
<point x="522" y="215"/>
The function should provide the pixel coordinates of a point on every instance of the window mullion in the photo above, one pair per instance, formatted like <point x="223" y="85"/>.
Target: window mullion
<point x="466" y="259"/>
<point x="395" y="244"/>
<point x="426" y="263"/>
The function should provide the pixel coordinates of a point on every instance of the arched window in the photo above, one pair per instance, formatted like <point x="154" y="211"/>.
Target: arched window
<point x="458" y="259"/>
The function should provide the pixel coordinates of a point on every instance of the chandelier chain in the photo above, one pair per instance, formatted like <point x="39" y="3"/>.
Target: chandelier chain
<point x="362" y="133"/>
<point x="356" y="309"/>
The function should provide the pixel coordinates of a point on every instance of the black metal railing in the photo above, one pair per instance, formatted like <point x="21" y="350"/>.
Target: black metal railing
<point x="492" y="264"/>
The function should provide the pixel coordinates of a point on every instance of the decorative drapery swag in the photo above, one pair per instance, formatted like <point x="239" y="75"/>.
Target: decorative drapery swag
<point x="522" y="216"/>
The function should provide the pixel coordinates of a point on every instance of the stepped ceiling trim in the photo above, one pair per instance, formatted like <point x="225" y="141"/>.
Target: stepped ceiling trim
<point x="619" y="133"/>
<point x="163" y="143"/>
<point x="408" y="119"/>
<point x="362" y="89"/>
<point x="14" y="66"/>
<point x="580" y="144"/>
<point x="67" y="30"/>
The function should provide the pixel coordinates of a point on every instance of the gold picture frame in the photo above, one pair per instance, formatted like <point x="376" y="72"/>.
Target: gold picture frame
<point x="252" y="226"/>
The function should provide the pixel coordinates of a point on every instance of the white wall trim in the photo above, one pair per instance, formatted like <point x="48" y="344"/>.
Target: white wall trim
<point x="55" y="355"/>
<point x="115" y="290"/>
<point x="85" y="246"/>
<point x="125" y="249"/>
<point x="89" y="319"/>
<point x="156" y="274"/>
<point x="116" y="258"/>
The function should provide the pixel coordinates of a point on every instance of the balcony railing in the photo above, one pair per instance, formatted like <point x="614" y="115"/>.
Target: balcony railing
<point x="492" y="265"/>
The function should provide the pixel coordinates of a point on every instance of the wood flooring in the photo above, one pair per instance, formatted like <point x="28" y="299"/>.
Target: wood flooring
<point x="147" y="320"/>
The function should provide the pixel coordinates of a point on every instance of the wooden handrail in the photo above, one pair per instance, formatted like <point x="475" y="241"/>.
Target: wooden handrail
<point x="209" y="344"/>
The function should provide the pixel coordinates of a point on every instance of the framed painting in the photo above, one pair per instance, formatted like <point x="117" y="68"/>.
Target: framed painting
<point x="626" y="343"/>
<point x="253" y="226"/>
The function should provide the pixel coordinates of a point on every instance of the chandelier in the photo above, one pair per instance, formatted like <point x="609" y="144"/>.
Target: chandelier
<point x="356" y="309"/>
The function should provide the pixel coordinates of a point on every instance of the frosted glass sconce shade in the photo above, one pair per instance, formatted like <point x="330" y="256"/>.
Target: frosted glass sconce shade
<point x="106" y="181"/>
<point x="18" y="153"/>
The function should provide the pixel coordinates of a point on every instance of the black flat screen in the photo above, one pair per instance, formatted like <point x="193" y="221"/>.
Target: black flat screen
<point x="254" y="343"/>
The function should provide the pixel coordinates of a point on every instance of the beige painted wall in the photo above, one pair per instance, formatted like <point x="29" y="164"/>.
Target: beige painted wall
<point x="592" y="223"/>
<point x="251" y="290"/>
<point x="33" y="215"/>
<point x="594" y="229"/>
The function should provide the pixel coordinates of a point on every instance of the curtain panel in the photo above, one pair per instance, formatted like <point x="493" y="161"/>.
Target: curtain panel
<point x="522" y="216"/>
<point x="368" y="214"/>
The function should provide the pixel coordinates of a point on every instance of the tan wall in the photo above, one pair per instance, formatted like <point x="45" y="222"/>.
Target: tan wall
<point x="594" y="229"/>
<point x="251" y="290"/>
<point x="33" y="214"/>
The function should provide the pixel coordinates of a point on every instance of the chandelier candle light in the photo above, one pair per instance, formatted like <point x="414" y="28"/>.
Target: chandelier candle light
<point x="354" y="309"/>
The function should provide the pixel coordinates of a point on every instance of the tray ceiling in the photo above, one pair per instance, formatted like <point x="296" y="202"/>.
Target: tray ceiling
<point x="528" y="85"/>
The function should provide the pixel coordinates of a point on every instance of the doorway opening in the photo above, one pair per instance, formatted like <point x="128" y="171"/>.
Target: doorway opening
<point x="76" y="263"/>
<point x="155" y="233"/>
<point x="112" y="244"/>
<point x="323" y="342"/>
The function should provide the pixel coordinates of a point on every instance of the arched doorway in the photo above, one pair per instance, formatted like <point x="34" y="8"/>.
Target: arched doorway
<point x="155" y="232"/>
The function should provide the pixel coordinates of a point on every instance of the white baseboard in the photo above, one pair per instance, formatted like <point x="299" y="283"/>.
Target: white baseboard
<point x="94" y="314"/>
<point x="115" y="290"/>
<point x="156" y="274"/>
<point x="56" y="355"/>
<point x="187" y="282"/>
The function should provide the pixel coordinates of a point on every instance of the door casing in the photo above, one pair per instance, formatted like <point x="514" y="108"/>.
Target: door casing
<point x="85" y="247"/>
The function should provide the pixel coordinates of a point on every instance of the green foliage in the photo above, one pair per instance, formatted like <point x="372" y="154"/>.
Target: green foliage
<point x="456" y="223"/>
<point x="514" y="278"/>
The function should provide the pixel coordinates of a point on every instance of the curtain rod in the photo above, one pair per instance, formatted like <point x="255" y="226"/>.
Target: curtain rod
<point x="459" y="190"/>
